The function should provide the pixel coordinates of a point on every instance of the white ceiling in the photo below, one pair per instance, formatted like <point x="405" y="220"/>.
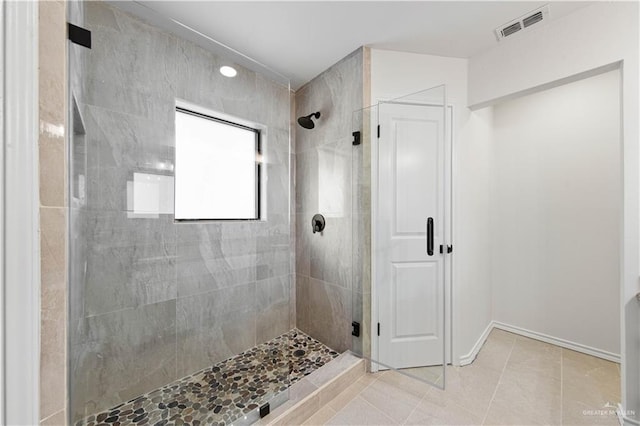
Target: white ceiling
<point x="300" y="39"/>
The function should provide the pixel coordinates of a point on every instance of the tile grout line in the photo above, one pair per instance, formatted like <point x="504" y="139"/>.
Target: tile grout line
<point x="561" y="386"/>
<point x="357" y="395"/>
<point x="332" y="417"/>
<point x="417" y="405"/>
<point x="326" y="421"/>
<point x="50" y="416"/>
<point x="423" y="398"/>
<point x="376" y="408"/>
<point x="484" y="419"/>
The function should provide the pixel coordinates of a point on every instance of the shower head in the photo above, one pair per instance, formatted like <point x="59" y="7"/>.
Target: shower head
<point x="307" y="122"/>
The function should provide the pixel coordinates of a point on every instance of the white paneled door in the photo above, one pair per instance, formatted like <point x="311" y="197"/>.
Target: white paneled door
<point x="410" y="228"/>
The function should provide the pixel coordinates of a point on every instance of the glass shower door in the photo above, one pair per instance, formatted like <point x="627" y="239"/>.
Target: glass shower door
<point x="364" y="123"/>
<point x="410" y="239"/>
<point x="170" y="322"/>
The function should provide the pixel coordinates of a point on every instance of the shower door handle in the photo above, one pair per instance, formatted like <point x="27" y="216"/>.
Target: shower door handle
<point x="430" y="236"/>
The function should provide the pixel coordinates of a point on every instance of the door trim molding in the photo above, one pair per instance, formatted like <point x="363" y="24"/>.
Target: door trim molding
<point x="20" y="251"/>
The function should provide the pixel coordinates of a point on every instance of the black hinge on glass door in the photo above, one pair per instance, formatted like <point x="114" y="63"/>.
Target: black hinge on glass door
<point x="264" y="410"/>
<point x="79" y="35"/>
<point x="378" y="329"/>
<point x="356" y="138"/>
<point x="355" y="328"/>
<point x="378" y="131"/>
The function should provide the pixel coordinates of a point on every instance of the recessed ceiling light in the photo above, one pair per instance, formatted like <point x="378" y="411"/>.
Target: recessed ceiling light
<point x="228" y="71"/>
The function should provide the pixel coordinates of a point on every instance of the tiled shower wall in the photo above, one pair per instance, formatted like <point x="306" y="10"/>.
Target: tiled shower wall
<point x="153" y="300"/>
<point x="324" y="261"/>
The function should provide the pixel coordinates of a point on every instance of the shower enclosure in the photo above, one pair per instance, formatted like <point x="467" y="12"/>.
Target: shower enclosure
<point x="402" y="234"/>
<point x="182" y="251"/>
<point x="173" y="320"/>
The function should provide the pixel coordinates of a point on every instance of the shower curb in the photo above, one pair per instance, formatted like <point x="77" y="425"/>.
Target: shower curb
<point x="296" y="412"/>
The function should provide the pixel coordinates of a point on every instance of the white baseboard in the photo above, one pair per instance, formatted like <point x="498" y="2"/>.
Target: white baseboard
<point x="473" y="353"/>
<point x="628" y="421"/>
<point x="624" y="419"/>
<point x="471" y="356"/>
<point x="578" y="347"/>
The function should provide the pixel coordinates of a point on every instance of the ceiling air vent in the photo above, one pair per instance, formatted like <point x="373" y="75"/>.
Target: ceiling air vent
<point x="507" y="31"/>
<point x="532" y="19"/>
<point x="523" y="22"/>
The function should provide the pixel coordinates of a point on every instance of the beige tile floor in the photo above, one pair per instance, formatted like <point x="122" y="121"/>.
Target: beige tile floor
<point x="513" y="381"/>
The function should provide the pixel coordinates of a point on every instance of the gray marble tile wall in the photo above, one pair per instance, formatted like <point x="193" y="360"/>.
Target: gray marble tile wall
<point x="153" y="300"/>
<point x="323" y="184"/>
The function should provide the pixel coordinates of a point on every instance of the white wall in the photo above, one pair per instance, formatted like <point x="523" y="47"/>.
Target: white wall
<point x="555" y="211"/>
<point x="395" y="74"/>
<point x="586" y="39"/>
<point x="482" y="291"/>
<point x="20" y="228"/>
<point x="589" y="38"/>
<point x="472" y="287"/>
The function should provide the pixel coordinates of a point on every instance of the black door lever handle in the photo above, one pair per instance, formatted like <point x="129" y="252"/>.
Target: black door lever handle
<point x="430" y="236"/>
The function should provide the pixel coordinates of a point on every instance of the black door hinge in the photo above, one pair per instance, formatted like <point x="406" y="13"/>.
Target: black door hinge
<point x="355" y="328"/>
<point x="378" y="131"/>
<point x="79" y="35"/>
<point x="378" y="329"/>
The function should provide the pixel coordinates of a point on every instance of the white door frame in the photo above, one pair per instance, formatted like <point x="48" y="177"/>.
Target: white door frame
<point x="448" y="312"/>
<point x="20" y="248"/>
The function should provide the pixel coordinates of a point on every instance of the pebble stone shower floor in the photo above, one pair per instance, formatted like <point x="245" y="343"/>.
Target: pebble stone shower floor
<point x="220" y="394"/>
